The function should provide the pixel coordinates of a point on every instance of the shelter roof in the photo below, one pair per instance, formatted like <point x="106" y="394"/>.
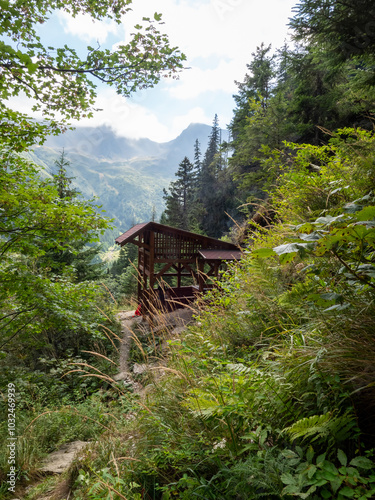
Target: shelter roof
<point x="220" y="254"/>
<point x="132" y="233"/>
<point x="204" y="241"/>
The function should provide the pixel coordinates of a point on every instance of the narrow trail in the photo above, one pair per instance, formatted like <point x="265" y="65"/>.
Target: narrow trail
<point x="175" y="322"/>
<point x="127" y="321"/>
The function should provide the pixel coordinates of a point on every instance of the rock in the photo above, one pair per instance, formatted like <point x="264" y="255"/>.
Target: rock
<point x="58" y="461"/>
<point x="177" y="331"/>
<point x="122" y="376"/>
<point x="138" y="369"/>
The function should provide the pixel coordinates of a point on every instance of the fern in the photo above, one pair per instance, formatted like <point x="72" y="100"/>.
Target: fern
<point x="259" y="475"/>
<point x="322" y="426"/>
<point x="202" y="403"/>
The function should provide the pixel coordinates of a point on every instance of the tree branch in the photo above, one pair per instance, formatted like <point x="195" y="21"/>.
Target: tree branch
<point x="351" y="270"/>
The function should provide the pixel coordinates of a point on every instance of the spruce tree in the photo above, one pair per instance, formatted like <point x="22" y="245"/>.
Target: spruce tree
<point x="79" y="260"/>
<point x="214" y="193"/>
<point x="257" y="85"/>
<point x="61" y="179"/>
<point x="179" y="197"/>
<point x="197" y="157"/>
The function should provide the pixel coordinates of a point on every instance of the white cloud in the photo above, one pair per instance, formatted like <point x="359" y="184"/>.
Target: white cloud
<point x="196" y="81"/>
<point x="226" y="30"/>
<point x="126" y="118"/>
<point x="218" y="37"/>
<point x="87" y="29"/>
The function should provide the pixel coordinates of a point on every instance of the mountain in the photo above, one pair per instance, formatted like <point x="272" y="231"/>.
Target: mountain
<point x="126" y="176"/>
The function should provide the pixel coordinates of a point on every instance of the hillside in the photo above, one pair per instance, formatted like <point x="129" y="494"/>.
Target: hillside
<point x="127" y="176"/>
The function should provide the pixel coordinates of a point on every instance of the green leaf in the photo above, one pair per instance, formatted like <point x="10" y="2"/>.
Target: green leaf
<point x="289" y="454"/>
<point x="366" y="214"/>
<point x="289" y="248"/>
<point x="347" y="492"/>
<point x="263" y="252"/>
<point x="342" y="458"/>
<point x="362" y="463"/>
<point x="336" y="483"/>
<point x="287" y="478"/>
<point x="311" y="471"/>
<point x="326" y="494"/>
<point x="309" y="454"/>
<point x="292" y="489"/>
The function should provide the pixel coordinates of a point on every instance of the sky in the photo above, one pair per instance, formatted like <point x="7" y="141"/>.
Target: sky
<point x="217" y="36"/>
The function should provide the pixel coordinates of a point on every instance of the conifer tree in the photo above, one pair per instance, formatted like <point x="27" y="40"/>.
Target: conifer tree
<point x="214" y="193"/>
<point x="61" y="179"/>
<point x="344" y="29"/>
<point x="256" y="85"/>
<point x="197" y="157"/>
<point x="79" y="259"/>
<point x="213" y="144"/>
<point x="179" y="197"/>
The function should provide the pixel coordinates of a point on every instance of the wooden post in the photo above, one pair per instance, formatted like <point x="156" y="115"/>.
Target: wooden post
<point x="179" y="266"/>
<point x="140" y="277"/>
<point x="201" y="280"/>
<point x="152" y="259"/>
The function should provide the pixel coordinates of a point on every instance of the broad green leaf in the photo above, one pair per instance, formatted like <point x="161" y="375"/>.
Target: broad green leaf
<point x="362" y="463"/>
<point x="311" y="471"/>
<point x="287" y="478"/>
<point x="326" y="494"/>
<point x="263" y="252"/>
<point x="342" y="458"/>
<point x="366" y="214"/>
<point x="347" y="492"/>
<point x="309" y="454"/>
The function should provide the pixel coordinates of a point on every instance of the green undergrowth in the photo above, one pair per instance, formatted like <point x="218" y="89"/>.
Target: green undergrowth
<point x="271" y="392"/>
<point x="57" y="397"/>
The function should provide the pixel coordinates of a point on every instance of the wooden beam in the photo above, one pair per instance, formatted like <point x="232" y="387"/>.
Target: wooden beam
<point x="159" y="260"/>
<point x="201" y="278"/>
<point x="139" y="295"/>
<point x="163" y="270"/>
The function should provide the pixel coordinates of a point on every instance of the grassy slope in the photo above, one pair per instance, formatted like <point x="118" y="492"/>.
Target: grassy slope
<point x="270" y="394"/>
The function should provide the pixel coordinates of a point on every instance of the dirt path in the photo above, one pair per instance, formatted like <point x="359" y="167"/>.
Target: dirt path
<point x="175" y="322"/>
<point x="127" y="321"/>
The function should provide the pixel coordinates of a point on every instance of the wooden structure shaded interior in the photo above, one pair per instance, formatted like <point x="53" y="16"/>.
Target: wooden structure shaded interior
<point x="164" y="251"/>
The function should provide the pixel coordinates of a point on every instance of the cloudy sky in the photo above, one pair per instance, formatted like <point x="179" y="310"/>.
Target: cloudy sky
<point x="217" y="36"/>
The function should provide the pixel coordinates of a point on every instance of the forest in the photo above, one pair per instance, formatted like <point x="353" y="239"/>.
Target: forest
<point x="270" y="391"/>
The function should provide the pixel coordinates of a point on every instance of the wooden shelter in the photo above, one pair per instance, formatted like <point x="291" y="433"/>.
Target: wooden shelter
<point x="165" y="251"/>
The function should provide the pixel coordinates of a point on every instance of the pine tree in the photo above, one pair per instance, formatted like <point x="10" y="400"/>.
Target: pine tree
<point x="80" y="260"/>
<point x="213" y="144"/>
<point x="256" y="85"/>
<point x="61" y="179"/>
<point x="197" y="157"/>
<point x="179" y="198"/>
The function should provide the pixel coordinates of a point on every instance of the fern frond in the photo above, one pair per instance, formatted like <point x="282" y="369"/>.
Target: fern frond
<point x="202" y="404"/>
<point x="318" y="425"/>
<point x="339" y="427"/>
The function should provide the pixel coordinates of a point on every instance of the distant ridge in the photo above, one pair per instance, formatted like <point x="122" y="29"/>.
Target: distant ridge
<point x="127" y="176"/>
